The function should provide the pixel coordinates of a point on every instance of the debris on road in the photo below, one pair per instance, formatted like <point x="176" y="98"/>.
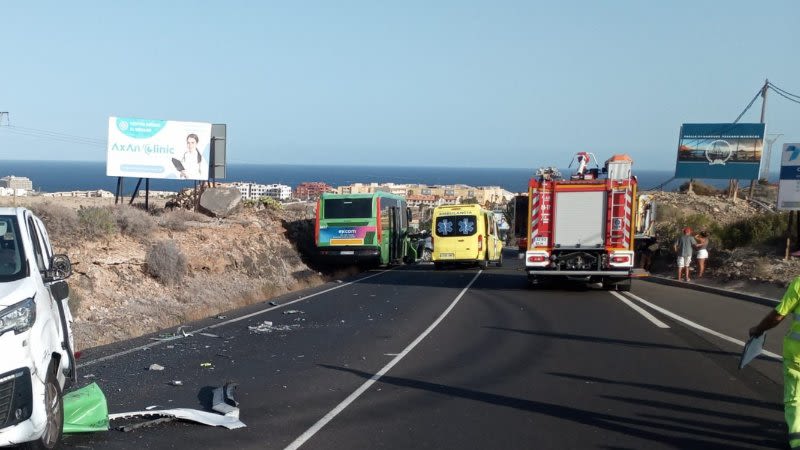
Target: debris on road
<point x="212" y="335"/>
<point x="85" y="410"/>
<point x="222" y="317"/>
<point x="206" y="365"/>
<point x="149" y="423"/>
<point x="293" y="311"/>
<point x="273" y="304"/>
<point x="191" y="415"/>
<point x="268" y="327"/>
<point x="176" y="383"/>
<point x="223" y="400"/>
<point x="155" y="367"/>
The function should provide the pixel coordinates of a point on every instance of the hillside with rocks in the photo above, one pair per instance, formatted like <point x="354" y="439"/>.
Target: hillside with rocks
<point x="136" y="272"/>
<point x="747" y="239"/>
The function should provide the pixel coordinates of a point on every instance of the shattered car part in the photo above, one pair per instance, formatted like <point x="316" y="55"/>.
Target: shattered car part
<point x="223" y="400"/>
<point x="85" y="410"/>
<point x="149" y="423"/>
<point x="191" y="415"/>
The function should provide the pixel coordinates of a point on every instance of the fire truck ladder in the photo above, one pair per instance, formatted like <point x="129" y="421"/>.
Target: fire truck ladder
<point x="620" y="218"/>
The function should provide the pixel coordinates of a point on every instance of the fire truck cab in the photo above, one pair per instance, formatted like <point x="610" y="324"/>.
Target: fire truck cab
<point x="581" y="228"/>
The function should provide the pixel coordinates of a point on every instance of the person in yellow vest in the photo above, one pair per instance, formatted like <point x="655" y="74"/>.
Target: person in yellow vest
<point x="789" y="305"/>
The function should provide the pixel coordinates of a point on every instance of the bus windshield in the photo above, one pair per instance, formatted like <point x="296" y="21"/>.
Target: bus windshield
<point x="348" y="208"/>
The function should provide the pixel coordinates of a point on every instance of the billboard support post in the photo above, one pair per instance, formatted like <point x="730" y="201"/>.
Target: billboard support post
<point x="118" y="194"/>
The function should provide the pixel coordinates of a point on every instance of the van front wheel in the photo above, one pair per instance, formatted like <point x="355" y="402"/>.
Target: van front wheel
<point x="54" y="409"/>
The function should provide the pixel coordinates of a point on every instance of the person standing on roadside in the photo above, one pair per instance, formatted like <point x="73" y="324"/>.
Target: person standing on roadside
<point x="684" y="247"/>
<point x="702" y="252"/>
<point x="790" y="304"/>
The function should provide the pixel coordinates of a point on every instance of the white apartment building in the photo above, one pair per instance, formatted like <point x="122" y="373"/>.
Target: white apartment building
<point x="13" y="182"/>
<point x="253" y="191"/>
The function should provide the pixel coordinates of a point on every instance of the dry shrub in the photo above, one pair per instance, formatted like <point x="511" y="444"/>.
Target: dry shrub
<point x="177" y="220"/>
<point x="97" y="222"/>
<point x="166" y="262"/>
<point x="134" y="221"/>
<point x="61" y="222"/>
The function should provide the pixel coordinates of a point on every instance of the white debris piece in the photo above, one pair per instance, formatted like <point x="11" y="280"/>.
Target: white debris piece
<point x="268" y="327"/>
<point x="156" y="367"/>
<point x="193" y="415"/>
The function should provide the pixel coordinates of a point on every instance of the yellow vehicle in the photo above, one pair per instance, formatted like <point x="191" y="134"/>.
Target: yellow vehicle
<point x="465" y="234"/>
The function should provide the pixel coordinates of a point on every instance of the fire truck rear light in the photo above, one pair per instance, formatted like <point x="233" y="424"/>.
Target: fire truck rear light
<point x="537" y="258"/>
<point x="621" y="259"/>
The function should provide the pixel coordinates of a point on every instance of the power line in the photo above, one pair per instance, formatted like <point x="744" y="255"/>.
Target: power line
<point x="777" y="89"/>
<point x="92" y="143"/>
<point x="56" y="134"/>
<point x="786" y="96"/>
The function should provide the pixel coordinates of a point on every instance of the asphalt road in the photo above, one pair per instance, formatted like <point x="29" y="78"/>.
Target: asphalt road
<point x="412" y="358"/>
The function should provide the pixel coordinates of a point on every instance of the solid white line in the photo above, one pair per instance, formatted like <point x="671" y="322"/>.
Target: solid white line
<point x="227" y="322"/>
<point x="698" y="326"/>
<point x="640" y="310"/>
<point x="357" y="393"/>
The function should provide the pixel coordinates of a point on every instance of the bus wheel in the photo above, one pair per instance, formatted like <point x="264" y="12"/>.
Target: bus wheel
<point x="500" y="261"/>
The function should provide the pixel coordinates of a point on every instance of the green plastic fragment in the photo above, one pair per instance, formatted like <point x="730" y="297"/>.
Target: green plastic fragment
<point x="85" y="410"/>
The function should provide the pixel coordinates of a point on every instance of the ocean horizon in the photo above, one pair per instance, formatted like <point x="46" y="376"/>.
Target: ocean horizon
<point x="57" y="176"/>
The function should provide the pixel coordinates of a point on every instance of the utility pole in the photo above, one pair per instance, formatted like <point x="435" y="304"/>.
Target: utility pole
<point x="763" y="116"/>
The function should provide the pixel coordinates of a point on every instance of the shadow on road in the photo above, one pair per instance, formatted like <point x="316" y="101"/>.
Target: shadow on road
<point x="602" y="340"/>
<point x="696" y="434"/>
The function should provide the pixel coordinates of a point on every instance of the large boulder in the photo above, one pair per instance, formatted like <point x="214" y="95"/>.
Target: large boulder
<point x="220" y="202"/>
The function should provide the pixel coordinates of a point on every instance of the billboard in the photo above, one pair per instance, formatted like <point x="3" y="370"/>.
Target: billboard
<point x="147" y="148"/>
<point x="789" y="184"/>
<point x="720" y="150"/>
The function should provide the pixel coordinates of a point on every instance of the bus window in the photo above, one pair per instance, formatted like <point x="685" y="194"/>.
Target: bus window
<point x="348" y="208"/>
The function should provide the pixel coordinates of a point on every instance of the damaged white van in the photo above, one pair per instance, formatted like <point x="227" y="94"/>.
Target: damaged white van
<point x="35" y="334"/>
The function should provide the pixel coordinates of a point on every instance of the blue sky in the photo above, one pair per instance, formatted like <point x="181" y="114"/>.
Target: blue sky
<point x="444" y="83"/>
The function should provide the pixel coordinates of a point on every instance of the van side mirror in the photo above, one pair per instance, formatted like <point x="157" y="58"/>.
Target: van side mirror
<point x="60" y="268"/>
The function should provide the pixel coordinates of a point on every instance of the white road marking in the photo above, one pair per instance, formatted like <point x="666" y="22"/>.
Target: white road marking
<point x="308" y="434"/>
<point x="640" y="310"/>
<point x="698" y="326"/>
<point x="227" y="322"/>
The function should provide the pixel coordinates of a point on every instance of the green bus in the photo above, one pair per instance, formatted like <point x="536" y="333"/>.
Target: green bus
<point x="364" y="229"/>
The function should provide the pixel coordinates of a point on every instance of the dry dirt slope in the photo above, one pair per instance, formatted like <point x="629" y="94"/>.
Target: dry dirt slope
<point x="230" y="262"/>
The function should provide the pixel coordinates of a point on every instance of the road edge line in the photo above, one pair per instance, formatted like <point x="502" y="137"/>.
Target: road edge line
<point x="227" y="322"/>
<point x="697" y="326"/>
<point x="640" y="310"/>
<point x="309" y="433"/>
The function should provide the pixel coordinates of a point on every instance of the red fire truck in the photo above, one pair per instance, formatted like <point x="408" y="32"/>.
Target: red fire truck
<point x="581" y="227"/>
